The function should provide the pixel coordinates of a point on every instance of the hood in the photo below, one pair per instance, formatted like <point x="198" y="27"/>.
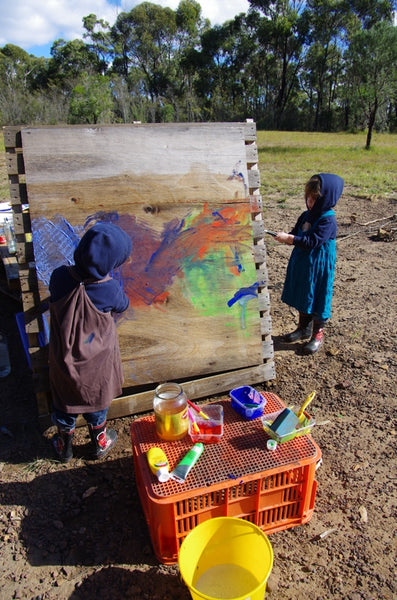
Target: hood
<point x="331" y="191"/>
<point x="101" y="249"/>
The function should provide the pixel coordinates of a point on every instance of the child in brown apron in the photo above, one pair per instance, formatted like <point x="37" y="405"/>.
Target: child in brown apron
<point x="85" y="367"/>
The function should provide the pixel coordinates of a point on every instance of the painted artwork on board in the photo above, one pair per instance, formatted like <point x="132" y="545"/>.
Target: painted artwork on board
<point x="191" y="279"/>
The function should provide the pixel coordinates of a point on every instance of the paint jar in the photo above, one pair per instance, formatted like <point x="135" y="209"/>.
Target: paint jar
<point x="170" y="410"/>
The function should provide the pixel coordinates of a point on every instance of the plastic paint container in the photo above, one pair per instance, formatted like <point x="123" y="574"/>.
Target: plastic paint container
<point x="226" y="558"/>
<point x="248" y="402"/>
<point x="209" y="430"/>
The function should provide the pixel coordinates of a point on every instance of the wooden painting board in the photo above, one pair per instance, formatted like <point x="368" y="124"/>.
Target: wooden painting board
<point x="188" y="195"/>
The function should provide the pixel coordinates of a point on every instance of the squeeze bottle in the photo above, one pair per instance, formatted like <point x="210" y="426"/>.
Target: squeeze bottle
<point x="158" y="464"/>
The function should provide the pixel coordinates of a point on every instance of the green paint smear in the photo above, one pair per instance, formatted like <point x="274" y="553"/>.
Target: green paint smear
<point x="209" y="283"/>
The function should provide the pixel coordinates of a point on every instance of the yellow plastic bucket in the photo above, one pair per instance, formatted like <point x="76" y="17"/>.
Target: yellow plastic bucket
<point x="226" y="558"/>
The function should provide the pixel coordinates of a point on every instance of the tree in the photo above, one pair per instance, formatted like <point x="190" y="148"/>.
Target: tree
<point x="23" y="78"/>
<point x="91" y="100"/>
<point x="372" y="70"/>
<point x="143" y="40"/>
<point x="69" y="61"/>
<point x="98" y="35"/>
<point x="280" y="36"/>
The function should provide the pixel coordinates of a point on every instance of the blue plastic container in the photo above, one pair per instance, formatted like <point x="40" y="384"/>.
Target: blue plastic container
<point x="248" y="402"/>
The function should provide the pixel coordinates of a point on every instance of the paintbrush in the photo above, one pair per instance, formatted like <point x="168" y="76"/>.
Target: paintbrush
<point x="287" y="420"/>
<point x="196" y="408"/>
<point x="193" y="420"/>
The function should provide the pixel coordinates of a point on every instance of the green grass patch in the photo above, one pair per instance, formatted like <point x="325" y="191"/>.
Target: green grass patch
<point x="288" y="159"/>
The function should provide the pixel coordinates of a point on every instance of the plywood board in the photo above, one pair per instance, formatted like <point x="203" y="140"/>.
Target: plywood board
<point x="181" y="193"/>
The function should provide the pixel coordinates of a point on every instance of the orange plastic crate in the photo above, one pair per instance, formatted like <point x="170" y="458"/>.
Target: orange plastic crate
<point x="236" y="477"/>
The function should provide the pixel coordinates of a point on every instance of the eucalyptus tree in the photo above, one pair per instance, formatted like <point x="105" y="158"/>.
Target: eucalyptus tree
<point x="327" y="25"/>
<point x="98" y="39"/>
<point x="223" y="65"/>
<point x="370" y="12"/>
<point x="91" y="100"/>
<point x="23" y="86"/>
<point x="371" y="73"/>
<point x="280" y="36"/>
<point x="190" y="26"/>
<point x="69" y="61"/>
<point x="149" y="44"/>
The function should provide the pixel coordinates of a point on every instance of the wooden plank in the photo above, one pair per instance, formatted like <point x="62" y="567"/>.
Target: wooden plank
<point x="200" y="388"/>
<point x="254" y="180"/>
<point x="18" y="193"/>
<point x="251" y="153"/>
<point x="15" y="163"/>
<point x="12" y="136"/>
<point x="10" y="264"/>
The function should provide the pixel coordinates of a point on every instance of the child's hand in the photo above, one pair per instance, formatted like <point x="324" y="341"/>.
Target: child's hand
<point x="284" y="238"/>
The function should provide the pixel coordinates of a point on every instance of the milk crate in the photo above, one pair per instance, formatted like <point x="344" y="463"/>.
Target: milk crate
<point x="236" y="477"/>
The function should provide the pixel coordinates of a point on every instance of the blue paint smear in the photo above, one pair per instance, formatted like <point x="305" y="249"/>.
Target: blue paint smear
<point x="250" y="291"/>
<point x="237" y="261"/>
<point x="237" y="174"/>
<point x="242" y="296"/>
<point x="54" y="244"/>
<point x="90" y="338"/>
<point x="55" y="241"/>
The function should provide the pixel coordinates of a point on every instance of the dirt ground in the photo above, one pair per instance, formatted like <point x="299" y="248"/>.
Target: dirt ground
<point x="77" y="531"/>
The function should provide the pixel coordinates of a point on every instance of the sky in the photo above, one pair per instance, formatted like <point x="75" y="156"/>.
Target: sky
<point x="35" y="24"/>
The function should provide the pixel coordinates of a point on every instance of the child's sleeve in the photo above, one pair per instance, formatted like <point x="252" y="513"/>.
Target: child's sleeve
<point x="121" y="301"/>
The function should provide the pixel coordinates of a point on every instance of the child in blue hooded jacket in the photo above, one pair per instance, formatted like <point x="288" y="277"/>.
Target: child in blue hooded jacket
<point x="308" y="285"/>
<point x="85" y="369"/>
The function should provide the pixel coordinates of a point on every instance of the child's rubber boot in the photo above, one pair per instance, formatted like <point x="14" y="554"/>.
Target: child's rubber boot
<point x="316" y="341"/>
<point x="303" y="331"/>
<point x="102" y="439"/>
<point x="62" y="445"/>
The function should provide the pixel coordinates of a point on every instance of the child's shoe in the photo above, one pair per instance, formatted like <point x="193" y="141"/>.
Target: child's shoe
<point x="62" y="445"/>
<point x="102" y="439"/>
<point x="301" y="333"/>
<point x="315" y="343"/>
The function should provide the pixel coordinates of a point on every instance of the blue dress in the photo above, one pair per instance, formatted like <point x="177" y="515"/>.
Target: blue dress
<point x="309" y="280"/>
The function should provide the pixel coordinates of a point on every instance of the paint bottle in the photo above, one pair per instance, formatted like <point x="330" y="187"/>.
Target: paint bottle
<point x="5" y="366"/>
<point x="184" y="467"/>
<point x="170" y="410"/>
<point x="10" y="236"/>
<point x="158" y="464"/>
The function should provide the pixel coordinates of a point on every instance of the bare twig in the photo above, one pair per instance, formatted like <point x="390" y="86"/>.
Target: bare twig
<point x="376" y="220"/>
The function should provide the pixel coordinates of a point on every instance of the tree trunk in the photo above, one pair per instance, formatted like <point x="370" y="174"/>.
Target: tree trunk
<point x="371" y="123"/>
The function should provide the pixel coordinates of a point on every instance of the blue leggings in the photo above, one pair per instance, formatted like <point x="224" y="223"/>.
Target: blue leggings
<point x="67" y="422"/>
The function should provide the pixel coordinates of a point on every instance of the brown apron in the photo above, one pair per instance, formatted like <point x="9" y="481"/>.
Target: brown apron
<point x="85" y="367"/>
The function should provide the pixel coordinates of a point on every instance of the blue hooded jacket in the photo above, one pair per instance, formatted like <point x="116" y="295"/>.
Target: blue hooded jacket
<point x="102" y="248"/>
<point x="308" y="285"/>
<point x="326" y="228"/>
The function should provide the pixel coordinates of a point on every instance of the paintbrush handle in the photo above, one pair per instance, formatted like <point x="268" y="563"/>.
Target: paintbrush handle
<point x="305" y="404"/>
<point x="196" y="408"/>
<point x="193" y="420"/>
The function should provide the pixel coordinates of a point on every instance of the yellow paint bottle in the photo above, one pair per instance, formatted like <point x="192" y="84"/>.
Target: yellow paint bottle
<point x="158" y="464"/>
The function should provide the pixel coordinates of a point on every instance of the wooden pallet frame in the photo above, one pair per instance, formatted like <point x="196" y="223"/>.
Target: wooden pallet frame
<point x="141" y="401"/>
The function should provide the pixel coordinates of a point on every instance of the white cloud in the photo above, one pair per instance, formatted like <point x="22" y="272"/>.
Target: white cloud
<point x="30" y="23"/>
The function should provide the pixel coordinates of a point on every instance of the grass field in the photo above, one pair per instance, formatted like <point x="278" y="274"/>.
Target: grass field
<point x="288" y="159"/>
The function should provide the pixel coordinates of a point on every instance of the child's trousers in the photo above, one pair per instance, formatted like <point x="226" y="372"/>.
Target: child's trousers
<point x="67" y="422"/>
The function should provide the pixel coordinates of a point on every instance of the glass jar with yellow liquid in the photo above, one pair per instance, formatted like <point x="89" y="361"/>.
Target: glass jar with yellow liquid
<point x="170" y="410"/>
